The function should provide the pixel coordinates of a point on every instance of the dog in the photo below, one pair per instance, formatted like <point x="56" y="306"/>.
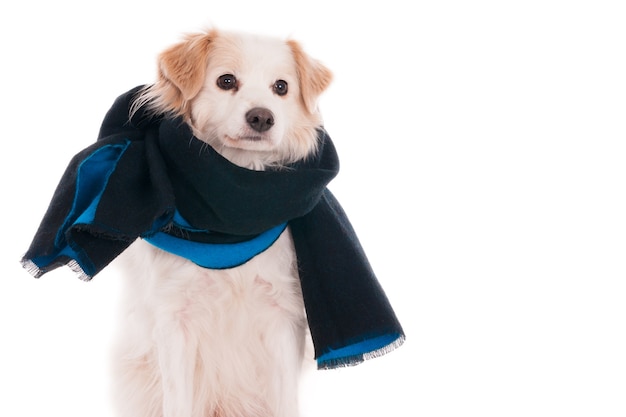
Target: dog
<point x="198" y="342"/>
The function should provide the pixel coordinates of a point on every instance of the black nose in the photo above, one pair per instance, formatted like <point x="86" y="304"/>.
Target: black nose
<point x="260" y="119"/>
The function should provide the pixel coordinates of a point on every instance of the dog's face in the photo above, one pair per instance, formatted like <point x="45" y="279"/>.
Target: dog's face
<point x="254" y="99"/>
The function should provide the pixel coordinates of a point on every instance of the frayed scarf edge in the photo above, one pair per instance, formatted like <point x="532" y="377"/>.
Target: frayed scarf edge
<point x="32" y="268"/>
<point x="354" y="360"/>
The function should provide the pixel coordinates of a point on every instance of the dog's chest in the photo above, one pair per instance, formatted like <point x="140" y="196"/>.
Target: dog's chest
<point x="164" y="281"/>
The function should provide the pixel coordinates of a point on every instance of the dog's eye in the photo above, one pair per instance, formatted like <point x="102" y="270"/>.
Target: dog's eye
<point x="281" y="87"/>
<point x="227" y="82"/>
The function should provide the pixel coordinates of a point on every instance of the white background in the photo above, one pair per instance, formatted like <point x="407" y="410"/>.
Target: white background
<point x="483" y="148"/>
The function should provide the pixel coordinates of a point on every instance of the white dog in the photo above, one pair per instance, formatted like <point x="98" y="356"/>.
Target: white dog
<point x="223" y="343"/>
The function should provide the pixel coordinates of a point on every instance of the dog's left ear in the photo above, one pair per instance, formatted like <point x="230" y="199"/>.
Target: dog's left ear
<point x="314" y="77"/>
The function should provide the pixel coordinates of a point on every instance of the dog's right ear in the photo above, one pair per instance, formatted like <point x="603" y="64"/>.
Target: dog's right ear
<point x="182" y="69"/>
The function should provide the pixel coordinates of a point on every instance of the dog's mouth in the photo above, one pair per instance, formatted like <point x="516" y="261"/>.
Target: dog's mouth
<point x="249" y="138"/>
<point x="252" y="142"/>
<point x="253" y="138"/>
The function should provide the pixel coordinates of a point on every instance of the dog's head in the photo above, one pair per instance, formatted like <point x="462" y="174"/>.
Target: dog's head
<point x="254" y="99"/>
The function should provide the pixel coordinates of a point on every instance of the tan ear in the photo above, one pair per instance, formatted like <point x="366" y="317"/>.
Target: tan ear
<point x="314" y="77"/>
<point x="184" y="66"/>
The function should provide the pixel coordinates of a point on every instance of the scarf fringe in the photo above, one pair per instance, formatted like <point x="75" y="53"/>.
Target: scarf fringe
<point x="37" y="272"/>
<point x="82" y="275"/>
<point x="354" y="360"/>
<point x="31" y="268"/>
<point x="385" y="349"/>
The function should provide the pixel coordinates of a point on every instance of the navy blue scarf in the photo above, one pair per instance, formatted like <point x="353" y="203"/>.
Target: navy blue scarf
<point x="150" y="178"/>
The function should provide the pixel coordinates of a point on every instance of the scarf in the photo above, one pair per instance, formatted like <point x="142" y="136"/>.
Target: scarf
<point x="148" y="177"/>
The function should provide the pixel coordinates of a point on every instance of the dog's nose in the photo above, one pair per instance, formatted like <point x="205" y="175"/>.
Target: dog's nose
<point x="260" y="119"/>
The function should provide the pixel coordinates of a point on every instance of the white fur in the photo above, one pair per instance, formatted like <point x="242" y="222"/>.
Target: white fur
<point x="221" y="343"/>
